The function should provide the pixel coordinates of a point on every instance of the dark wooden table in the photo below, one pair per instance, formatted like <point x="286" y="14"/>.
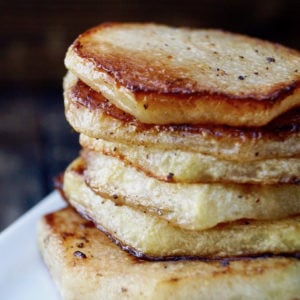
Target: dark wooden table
<point x="36" y="144"/>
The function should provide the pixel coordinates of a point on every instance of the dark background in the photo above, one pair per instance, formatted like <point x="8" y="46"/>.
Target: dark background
<point x="36" y="141"/>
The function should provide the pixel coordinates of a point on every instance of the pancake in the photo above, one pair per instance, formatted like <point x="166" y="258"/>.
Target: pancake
<point x="191" y="206"/>
<point x="90" y="113"/>
<point x="165" y="75"/>
<point x="190" y="167"/>
<point x="86" y="265"/>
<point x="149" y="235"/>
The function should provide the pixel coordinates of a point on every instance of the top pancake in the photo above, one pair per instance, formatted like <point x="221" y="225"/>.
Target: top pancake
<point x="165" y="75"/>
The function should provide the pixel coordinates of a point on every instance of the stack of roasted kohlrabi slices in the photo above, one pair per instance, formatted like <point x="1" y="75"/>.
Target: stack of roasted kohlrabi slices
<point x="187" y="185"/>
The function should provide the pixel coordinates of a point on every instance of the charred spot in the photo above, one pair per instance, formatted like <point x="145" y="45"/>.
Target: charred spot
<point x="84" y="239"/>
<point x="87" y="224"/>
<point x="256" y="73"/>
<point x="241" y="57"/>
<point x="257" y="200"/>
<point x="65" y="235"/>
<point x="80" y="245"/>
<point x="175" y="279"/>
<point x="115" y="196"/>
<point x="79" y="254"/>
<point x="49" y="218"/>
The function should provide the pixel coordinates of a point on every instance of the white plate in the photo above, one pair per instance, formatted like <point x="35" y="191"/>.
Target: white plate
<point x="23" y="274"/>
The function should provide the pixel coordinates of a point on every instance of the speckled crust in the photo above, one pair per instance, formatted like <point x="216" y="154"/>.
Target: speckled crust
<point x="190" y="167"/>
<point x="164" y="75"/>
<point x="90" y="113"/>
<point x="86" y="265"/>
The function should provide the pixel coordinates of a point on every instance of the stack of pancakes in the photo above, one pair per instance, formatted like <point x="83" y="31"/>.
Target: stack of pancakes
<point x="190" y="147"/>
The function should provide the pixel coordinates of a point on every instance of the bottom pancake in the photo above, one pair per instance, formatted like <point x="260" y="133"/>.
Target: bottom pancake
<point x="149" y="235"/>
<point x="86" y="265"/>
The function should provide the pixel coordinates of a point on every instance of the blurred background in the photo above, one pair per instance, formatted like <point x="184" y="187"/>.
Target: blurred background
<point x="36" y="141"/>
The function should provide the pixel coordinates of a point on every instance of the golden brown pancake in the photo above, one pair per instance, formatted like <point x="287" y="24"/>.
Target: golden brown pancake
<point x="90" y="113"/>
<point x="86" y="265"/>
<point x="165" y="75"/>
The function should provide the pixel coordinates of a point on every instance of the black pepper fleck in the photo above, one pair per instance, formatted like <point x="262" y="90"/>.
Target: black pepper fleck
<point x="145" y="106"/>
<point x="170" y="176"/>
<point x="115" y="196"/>
<point x="270" y="59"/>
<point x="225" y="263"/>
<point x="79" y="254"/>
<point x="241" y="77"/>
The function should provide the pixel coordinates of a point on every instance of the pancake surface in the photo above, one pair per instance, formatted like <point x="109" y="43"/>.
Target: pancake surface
<point x="164" y="75"/>
<point x="85" y="264"/>
<point x="90" y="113"/>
